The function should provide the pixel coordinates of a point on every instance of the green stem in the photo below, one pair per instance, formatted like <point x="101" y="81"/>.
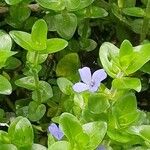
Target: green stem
<point x="145" y="22"/>
<point x="36" y="77"/>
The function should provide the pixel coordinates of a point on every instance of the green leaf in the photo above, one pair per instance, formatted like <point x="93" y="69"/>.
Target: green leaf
<point x="122" y="136"/>
<point x="13" y="2"/>
<point x="23" y="39"/>
<point x="108" y="56"/>
<point x="65" y="85"/>
<point x="12" y="63"/>
<point x="125" y="54"/>
<point x="98" y="103"/>
<point x="146" y="68"/>
<point x="21" y="132"/>
<point x="54" y="45"/>
<point x="66" y="25"/>
<point x="54" y="5"/>
<point x="60" y="145"/>
<point x="96" y="132"/>
<point x="125" y="48"/>
<point x="68" y="65"/>
<point x="38" y="147"/>
<point x="5" y="86"/>
<point x="70" y="126"/>
<point x="127" y="83"/>
<point x="31" y="55"/>
<point x="36" y="111"/>
<point x="26" y="82"/>
<point x="39" y="35"/>
<point x="8" y="147"/>
<point x="144" y="132"/>
<point x="140" y="57"/>
<point x="87" y="44"/>
<point x="19" y="13"/>
<point x="84" y="3"/>
<point x="5" y="41"/>
<point x="72" y="4"/>
<point x="45" y="90"/>
<point x="134" y="11"/>
<point x="4" y="55"/>
<point x="4" y="138"/>
<point x="125" y="110"/>
<point x="92" y="12"/>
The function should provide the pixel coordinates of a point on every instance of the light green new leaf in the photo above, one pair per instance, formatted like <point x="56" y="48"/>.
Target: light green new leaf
<point x="4" y="55"/>
<point x="38" y="147"/>
<point x="60" y="145"/>
<point x="127" y="83"/>
<point x="39" y="35"/>
<point x="5" y="41"/>
<point x="54" y="45"/>
<point x="5" y="86"/>
<point x="21" y="132"/>
<point x="98" y="103"/>
<point x="96" y="132"/>
<point x="4" y="138"/>
<point x="64" y="85"/>
<point x="70" y="125"/>
<point x="125" y="110"/>
<point x="140" y="57"/>
<point x="109" y="58"/>
<point x="23" y="39"/>
<point x="125" y="48"/>
<point x="26" y="82"/>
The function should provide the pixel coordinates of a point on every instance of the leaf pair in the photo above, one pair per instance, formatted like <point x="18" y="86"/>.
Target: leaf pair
<point x="37" y="41"/>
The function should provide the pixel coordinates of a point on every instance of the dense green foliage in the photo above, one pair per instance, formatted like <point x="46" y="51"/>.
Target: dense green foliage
<point x="43" y="46"/>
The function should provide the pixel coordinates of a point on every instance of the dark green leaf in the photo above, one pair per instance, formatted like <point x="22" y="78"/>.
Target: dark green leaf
<point x="66" y="25"/>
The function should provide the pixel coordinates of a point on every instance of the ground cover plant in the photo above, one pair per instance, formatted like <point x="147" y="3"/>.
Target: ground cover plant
<point x="74" y="74"/>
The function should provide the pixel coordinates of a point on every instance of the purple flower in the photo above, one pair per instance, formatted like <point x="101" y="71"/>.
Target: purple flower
<point x="101" y="147"/>
<point x="55" y="131"/>
<point x="89" y="82"/>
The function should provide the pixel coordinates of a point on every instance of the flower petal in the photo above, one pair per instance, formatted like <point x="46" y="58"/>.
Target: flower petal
<point x="85" y="74"/>
<point x="94" y="88"/>
<point x="55" y="131"/>
<point x="80" y="87"/>
<point x="99" y="76"/>
<point x="101" y="147"/>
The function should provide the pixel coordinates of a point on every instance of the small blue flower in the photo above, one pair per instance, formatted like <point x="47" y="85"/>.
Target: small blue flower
<point x="55" y="131"/>
<point x="101" y="147"/>
<point x="89" y="82"/>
